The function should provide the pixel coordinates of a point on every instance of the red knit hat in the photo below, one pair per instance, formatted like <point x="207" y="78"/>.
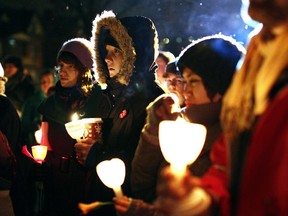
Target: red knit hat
<point x="81" y="48"/>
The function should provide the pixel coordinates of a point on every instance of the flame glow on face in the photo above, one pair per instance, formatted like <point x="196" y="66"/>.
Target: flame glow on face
<point x="194" y="91"/>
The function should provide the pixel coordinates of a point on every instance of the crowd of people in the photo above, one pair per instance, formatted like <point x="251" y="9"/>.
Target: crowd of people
<point x="119" y="75"/>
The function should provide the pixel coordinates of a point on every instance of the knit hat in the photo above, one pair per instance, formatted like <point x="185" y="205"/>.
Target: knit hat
<point x="214" y="59"/>
<point x="81" y="48"/>
<point x="171" y="67"/>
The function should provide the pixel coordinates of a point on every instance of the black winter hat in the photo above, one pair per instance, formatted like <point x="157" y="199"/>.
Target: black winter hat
<point x="214" y="59"/>
<point x="171" y="67"/>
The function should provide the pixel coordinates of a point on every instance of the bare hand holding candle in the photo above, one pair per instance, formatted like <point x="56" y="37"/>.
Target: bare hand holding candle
<point x="91" y="132"/>
<point x="112" y="174"/>
<point x="181" y="143"/>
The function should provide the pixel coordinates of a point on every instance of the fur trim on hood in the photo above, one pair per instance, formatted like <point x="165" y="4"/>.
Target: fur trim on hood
<point x="135" y="36"/>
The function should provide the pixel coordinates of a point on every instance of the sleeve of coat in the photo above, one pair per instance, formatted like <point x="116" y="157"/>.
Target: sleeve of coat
<point x="145" y="167"/>
<point x="215" y="181"/>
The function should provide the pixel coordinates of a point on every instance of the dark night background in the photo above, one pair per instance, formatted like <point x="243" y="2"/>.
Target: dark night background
<point x="36" y="29"/>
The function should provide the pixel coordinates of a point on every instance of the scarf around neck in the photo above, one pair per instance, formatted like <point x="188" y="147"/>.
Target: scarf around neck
<point x="248" y="95"/>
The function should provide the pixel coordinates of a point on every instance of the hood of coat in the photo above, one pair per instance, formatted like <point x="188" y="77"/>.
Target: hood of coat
<point x="137" y="38"/>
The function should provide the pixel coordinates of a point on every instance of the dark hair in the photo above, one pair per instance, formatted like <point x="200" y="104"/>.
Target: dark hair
<point x="214" y="58"/>
<point x="166" y="56"/>
<point x="15" y="60"/>
<point x="70" y="58"/>
<point x="47" y="72"/>
<point x="85" y="78"/>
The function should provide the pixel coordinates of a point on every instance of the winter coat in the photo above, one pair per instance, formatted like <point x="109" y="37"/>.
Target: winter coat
<point x="64" y="181"/>
<point x="30" y="118"/>
<point x="148" y="160"/>
<point x="18" y="88"/>
<point x="249" y="175"/>
<point x="129" y="92"/>
<point x="10" y="123"/>
<point x="10" y="128"/>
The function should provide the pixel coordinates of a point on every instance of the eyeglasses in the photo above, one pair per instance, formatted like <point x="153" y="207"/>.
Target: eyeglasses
<point x="174" y="81"/>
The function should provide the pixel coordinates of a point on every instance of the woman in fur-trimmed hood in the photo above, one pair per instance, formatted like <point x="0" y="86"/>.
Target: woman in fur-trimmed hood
<point x="136" y="37"/>
<point x="124" y="50"/>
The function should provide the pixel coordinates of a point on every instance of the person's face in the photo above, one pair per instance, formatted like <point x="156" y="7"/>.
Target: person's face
<point x="114" y="60"/>
<point x="175" y="84"/>
<point x="194" y="90"/>
<point x="46" y="82"/>
<point x="68" y="75"/>
<point x="161" y="67"/>
<point x="10" y="69"/>
<point x="269" y="12"/>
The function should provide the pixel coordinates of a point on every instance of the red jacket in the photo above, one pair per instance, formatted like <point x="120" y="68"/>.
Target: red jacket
<point x="264" y="182"/>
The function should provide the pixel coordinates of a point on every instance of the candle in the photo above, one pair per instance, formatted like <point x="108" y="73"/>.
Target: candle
<point x="39" y="153"/>
<point x="181" y="143"/>
<point x="75" y="128"/>
<point x="112" y="174"/>
<point x="38" y="135"/>
<point x="74" y="117"/>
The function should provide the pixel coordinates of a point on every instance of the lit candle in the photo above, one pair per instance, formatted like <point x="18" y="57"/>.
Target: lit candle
<point x="75" y="128"/>
<point x="74" y="117"/>
<point x="181" y="143"/>
<point x="39" y="153"/>
<point x="38" y="135"/>
<point x="112" y="174"/>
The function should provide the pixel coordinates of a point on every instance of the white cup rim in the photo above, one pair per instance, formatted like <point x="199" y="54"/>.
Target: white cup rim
<point x="91" y="120"/>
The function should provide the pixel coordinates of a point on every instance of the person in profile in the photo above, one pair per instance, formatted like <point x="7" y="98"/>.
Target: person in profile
<point x="162" y="60"/>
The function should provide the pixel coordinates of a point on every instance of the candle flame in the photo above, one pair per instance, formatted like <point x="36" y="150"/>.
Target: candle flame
<point x="75" y="117"/>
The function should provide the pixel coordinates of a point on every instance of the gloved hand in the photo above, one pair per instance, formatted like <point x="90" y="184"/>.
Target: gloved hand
<point x="158" y="110"/>
<point x="161" y="109"/>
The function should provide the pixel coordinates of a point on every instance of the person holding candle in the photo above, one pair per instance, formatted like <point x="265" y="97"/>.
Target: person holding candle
<point x="75" y="92"/>
<point x="253" y="149"/>
<point x="10" y="134"/>
<point x="125" y="53"/>
<point x="205" y="84"/>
